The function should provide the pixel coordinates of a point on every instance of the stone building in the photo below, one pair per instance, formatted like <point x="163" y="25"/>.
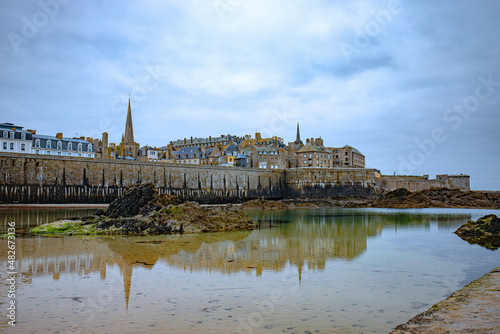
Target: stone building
<point x="148" y="153"/>
<point x="14" y="139"/>
<point x="269" y="157"/>
<point x="314" y="154"/>
<point x="292" y="149"/>
<point x="347" y="156"/>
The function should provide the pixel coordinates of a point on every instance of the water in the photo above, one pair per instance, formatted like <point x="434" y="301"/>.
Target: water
<point x="317" y="271"/>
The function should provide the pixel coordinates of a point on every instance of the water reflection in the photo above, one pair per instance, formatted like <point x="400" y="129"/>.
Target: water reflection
<point x="304" y="239"/>
<point x="343" y="257"/>
<point x="28" y="218"/>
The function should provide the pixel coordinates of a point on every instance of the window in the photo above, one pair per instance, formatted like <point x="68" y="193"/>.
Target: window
<point x="4" y="145"/>
<point x="304" y="155"/>
<point x="5" y="134"/>
<point x="11" y="146"/>
<point x="89" y="147"/>
<point x="59" y="153"/>
<point x="37" y="152"/>
<point x="47" y="145"/>
<point x="70" y="146"/>
<point x="23" y="147"/>
<point x="59" y="145"/>
<point x="23" y="136"/>
<point x="69" y="153"/>
<point x="79" y="148"/>
<point x="12" y="135"/>
<point x="79" y="154"/>
<point x="37" y="143"/>
<point x="48" y="152"/>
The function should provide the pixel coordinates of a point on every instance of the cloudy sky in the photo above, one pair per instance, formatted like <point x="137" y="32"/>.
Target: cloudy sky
<point x="414" y="85"/>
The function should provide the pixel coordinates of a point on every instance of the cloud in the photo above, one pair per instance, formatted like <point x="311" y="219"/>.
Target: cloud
<point x="241" y="66"/>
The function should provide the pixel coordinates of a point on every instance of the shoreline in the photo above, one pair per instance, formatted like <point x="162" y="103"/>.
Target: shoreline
<point x="472" y="309"/>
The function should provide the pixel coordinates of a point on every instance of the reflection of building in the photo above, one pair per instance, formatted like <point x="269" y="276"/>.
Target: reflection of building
<point x="307" y="240"/>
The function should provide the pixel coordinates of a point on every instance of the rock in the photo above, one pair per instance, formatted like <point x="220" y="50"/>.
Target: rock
<point x="485" y="232"/>
<point x="133" y="200"/>
<point x="100" y="212"/>
<point x="438" y="198"/>
<point x="143" y="211"/>
<point x="263" y="204"/>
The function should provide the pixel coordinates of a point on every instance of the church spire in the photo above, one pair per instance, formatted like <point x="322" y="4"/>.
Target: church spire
<point x="129" y="128"/>
<point x="297" y="140"/>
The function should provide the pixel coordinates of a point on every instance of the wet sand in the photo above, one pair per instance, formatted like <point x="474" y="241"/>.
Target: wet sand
<point x="473" y="309"/>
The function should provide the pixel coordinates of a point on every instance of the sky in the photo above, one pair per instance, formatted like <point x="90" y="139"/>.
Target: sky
<point x="413" y="85"/>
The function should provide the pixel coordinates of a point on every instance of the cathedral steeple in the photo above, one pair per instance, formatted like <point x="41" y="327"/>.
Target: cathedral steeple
<point x="297" y="140"/>
<point x="129" y="128"/>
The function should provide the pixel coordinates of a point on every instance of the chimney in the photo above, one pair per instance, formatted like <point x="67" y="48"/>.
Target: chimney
<point x="191" y="139"/>
<point x="82" y="137"/>
<point x="307" y="140"/>
<point x="32" y="131"/>
<point x="59" y="136"/>
<point x="105" y="140"/>
<point x="319" y="142"/>
<point x="257" y="136"/>
<point x="185" y="141"/>
<point x="209" y="138"/>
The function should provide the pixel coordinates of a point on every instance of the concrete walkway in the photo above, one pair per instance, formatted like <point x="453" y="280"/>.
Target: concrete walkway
<point x="473" y="309"/>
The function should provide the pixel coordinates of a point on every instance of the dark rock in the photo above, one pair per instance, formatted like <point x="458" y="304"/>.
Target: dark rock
<point x="100" y="212"/>
<point x="133" y="201"/>
<point x="485" y="232"/>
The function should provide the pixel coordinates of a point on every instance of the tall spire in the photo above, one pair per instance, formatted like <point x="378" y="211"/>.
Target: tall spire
<point x="297" y="140"/>
<point x="129" y="128"/>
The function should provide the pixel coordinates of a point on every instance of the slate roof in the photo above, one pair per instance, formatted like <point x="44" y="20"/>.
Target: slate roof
<point x="353" y="149"/>
<point x="309" y="147"/>
<point x="188" y="153"/>
<point x="54" y="140"/>
<point x="231" y="149"/>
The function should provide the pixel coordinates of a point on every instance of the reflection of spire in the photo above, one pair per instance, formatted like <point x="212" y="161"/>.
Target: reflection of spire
<point x="127" y="280"/>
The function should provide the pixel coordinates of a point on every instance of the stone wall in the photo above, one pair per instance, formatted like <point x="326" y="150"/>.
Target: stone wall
<point x="419" y="183"/>
<point x="44" y="179"/>
<point x="330" y="182"/>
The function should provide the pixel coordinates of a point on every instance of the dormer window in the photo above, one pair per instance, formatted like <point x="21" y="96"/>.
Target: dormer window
<point x="5" y="134"/>
<point x="23" y="136"/>
<point x="12" y="135"/>
<point x="37" y="143"/>
<point x="79" y="147"/>
<point x="89" y="147"/>
<point x="59" y="145"/>
<point x="70" y="146"/>
<point x="48" y="143"/>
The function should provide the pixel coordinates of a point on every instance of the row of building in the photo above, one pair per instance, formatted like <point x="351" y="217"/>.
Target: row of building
<point x="224" y="150"/>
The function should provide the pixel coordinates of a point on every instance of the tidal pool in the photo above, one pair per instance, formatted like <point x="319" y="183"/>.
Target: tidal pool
<point x="302" y="271"/>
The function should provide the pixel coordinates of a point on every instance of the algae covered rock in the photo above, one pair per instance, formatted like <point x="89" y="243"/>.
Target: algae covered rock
<point x="143" y="211"/>
<point x="485" y="232"/>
